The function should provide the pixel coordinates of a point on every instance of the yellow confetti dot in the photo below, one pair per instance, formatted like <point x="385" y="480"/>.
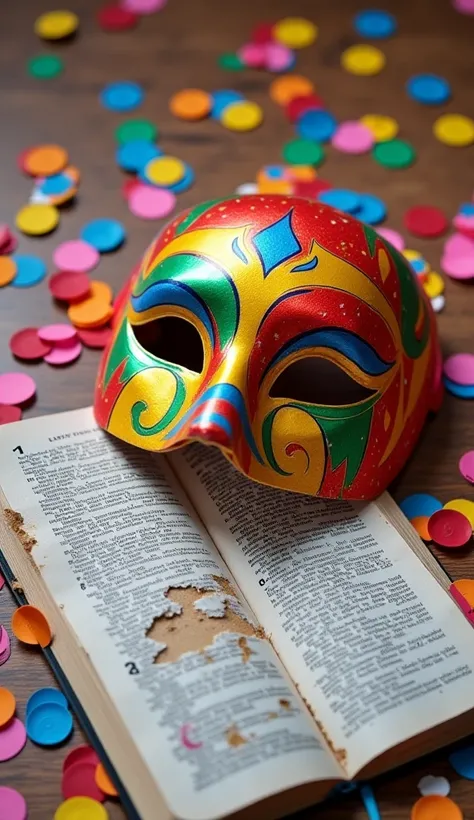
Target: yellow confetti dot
<point x="363" y="60"/>
<point x="410" y="254"/>
<point x="36" y="220"/>
<point x="242" y="116"/>
<point x="81" y="808"/>
<point x="454" y="129"/>
<point x="165" y="170"/>
<point x="295" y="32"/>
<point x="434" y="285"/>
<point x="55" y="25"/>
<point x="383" y="128"/>
<point x="463" y="506"/>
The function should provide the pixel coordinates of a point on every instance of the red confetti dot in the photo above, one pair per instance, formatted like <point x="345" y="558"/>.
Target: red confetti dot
<point x="312" y="188"/>
<point x="20" y="160"/>
<point x="9" y="413"/>
<point x="449" y="528"/>
<point x="69" y="286"/>
<point x="79" y="781"/>
<point x="299" y="105"/>
<point x="115" y="18"/>
<point x="262" y="33"/>
<point x="81" y="754"/>
<point x="425" y="221"/>
<point x="95" y="337"/>
<point x="26" y="344"/>
<point x="128" y="186"/>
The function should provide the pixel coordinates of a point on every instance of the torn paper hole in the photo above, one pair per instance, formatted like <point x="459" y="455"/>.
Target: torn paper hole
<point x="192" y="629"/>
<point x="233" y="736"/>
<point x="213" y="606"/>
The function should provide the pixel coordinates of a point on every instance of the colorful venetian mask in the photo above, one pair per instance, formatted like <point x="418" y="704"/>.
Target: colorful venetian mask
<point x="288" y="334"/>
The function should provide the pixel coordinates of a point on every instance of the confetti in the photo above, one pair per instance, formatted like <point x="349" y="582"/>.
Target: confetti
<point x="78" y="780"/>
<point x="122" y="96"/>
<point x="8" y="269"/>
<point x="425" y="221"/>
<point x="16" y="388"/>
<point x="340" y="198"/>
<point x="5" y="645"/>
<point x="288" y="86"/>
<point x="12" y="804"/>
<point x="26" y="345"/>
<point x="317" y="125"/>
<point x="37" y="220"/>
<point x="9" y="413"/>
<point x="12" y="739"/>
<point x="49" y="724"/>
<point x="303" y="152"/>
<point x="466" y="466"/>
<point x="164" y="171"/>
<point x="383" y="128"/>
<point x="420" y="523"/>
<point x="104" y="234"/>
<point x="295" y="32"/>
<point x="429" y="89"/>
<point x="95" y="337"/>
<point x="30" y="626"/>
<point x="44" y="160"/>
<point x="104" y="782"/>
<point x="45" y="66"/>
<point x="56" y="25"/>
<point x="136" y="129"/>
<point x="116" y="18"/>
<point x="375" y="24"/>
<point x="420" y="504"/>
<point x="429" y="784"/>
<point x="460" y="368"/>
<point x="244" y="115"/>
<point x="64" y="353"/>
<point x="454" y="129"/>
<point x="80" y="754"/>
<point x="435" y="807"/>
<point x="353" y="138"/>
<point x="7" y="706"/>
<point x="76" y="255"/>
<point x="449" y="528"/>
<point x="80" y="808"/>
<point x="134" y="155"/>
<point x="394" y="153"/>
<point x="69" y="286"/>
<point x="191" y="104"/>
<point x="57" y="333"/>
<point x="462" y="762"/>
<point x="151" y="203"/>
<point x="30" y="270"/>
<point x="462" y="505"/>
<point x="363" y="60"/>
<point x="45" y="695"/>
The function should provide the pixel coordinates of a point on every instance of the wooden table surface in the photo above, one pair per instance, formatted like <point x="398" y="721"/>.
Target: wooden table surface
<point x="168" y="51"/>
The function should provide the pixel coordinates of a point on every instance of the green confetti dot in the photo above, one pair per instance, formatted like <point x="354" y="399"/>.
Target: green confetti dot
<point x="45" y="66"/>
<point x="136" y="130"/>
<point x="303" y="152"/>
<point x="230" y="62"/>
<point x="394" y="154"/>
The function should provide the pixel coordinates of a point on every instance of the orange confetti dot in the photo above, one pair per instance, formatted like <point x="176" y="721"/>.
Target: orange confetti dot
<point x="284" y="88"/>
<point x="420" y="523"/>
<point x="435" y="807"/>
<point x="45" y="160"/>
<point x="101" y="290"/>
<point x="104" y="782"/>
<point x="30" y="626"/>
<point x="7" y="270"/>
<point x="90" y="313"/>
<point x="7" y="705"/>
<point x="466" y="587"/>
<point x="303" y="173"/>
<point x="191" y="104"/>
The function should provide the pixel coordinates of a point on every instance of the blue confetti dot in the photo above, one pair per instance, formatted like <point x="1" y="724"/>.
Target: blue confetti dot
<point x="274" y="171"/>
<point x="185" y="183"/>
<point x="103" y="234"/>
<point x="467" y="209"/>
<point x="418" y="265"/>
<point x="428" y="89"/>
<point x="375" y="24"/>
<point x="134" y="155"/>
<point x="462" y="762"/>
<point x="344" y="200"/>
<point x="462" y="391"/>
<point x="49" y="724"/>
<point x="316" y="125"/>
<point x="221" y="99"/>
<point x="420" y="504"/>
<point x="57" y="184"/>
<point x="122" y="96"/>
<point x="46" y="695"/>
<point x="30" y="270"/>
<point x="372" y="210"/>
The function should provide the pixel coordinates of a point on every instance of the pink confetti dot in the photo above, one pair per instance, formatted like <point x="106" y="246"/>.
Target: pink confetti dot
<point x="253" y="55"/>
<point x="464" y="224"/>
<point x="12" y="804"/>
<point x="277" y="57"/>
<point x="76" y="255"/>
<point x="57" y="333"/>
<point x="12" y="739"/>
<point x="466" y="466"/>
<point x="395" y="238"/>
<point x="151" y="203"/>
<point x="458" y="245"/>
<point x="464" y="6"/>
<point x="460" y="368"/>
<point x="458" y="267"/>
<point x="16" y="388"/>
<point x="64" y="353"/>
<point x="143" y="6"/>
<point x="353" y="137"/>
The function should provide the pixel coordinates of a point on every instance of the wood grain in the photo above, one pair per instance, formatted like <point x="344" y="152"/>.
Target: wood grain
<point x="178" y="48"/>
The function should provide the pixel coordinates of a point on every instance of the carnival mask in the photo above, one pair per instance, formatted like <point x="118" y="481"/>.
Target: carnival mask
<point x="288" y="334"/>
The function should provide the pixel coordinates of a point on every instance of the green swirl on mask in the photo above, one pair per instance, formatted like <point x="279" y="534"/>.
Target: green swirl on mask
<point x="141" y="406"/>
<point x="212" y="286"/>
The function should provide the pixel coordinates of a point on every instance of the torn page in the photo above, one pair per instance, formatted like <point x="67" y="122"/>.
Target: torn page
<point x="153" y="605"/>
<point x="378" y="650"/>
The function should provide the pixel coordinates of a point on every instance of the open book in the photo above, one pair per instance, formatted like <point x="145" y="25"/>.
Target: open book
<point x="231" y="644"/>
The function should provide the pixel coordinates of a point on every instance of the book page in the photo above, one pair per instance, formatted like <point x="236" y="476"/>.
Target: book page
<point x="376" y="647"/>
<point x="205" y="699"/>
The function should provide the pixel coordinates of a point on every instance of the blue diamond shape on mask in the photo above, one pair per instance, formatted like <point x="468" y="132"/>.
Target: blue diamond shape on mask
<point x="276" y="244"/>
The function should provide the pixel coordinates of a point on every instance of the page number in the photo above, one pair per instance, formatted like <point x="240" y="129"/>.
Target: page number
<point x="18" y="450"/>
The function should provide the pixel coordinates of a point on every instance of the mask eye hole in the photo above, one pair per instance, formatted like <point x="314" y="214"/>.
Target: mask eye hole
<point x="173" y="340"/>
<point x="318" y="381"/>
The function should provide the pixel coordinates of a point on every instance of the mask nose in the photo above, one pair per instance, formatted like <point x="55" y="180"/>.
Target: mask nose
<point x="217" y="422"/>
